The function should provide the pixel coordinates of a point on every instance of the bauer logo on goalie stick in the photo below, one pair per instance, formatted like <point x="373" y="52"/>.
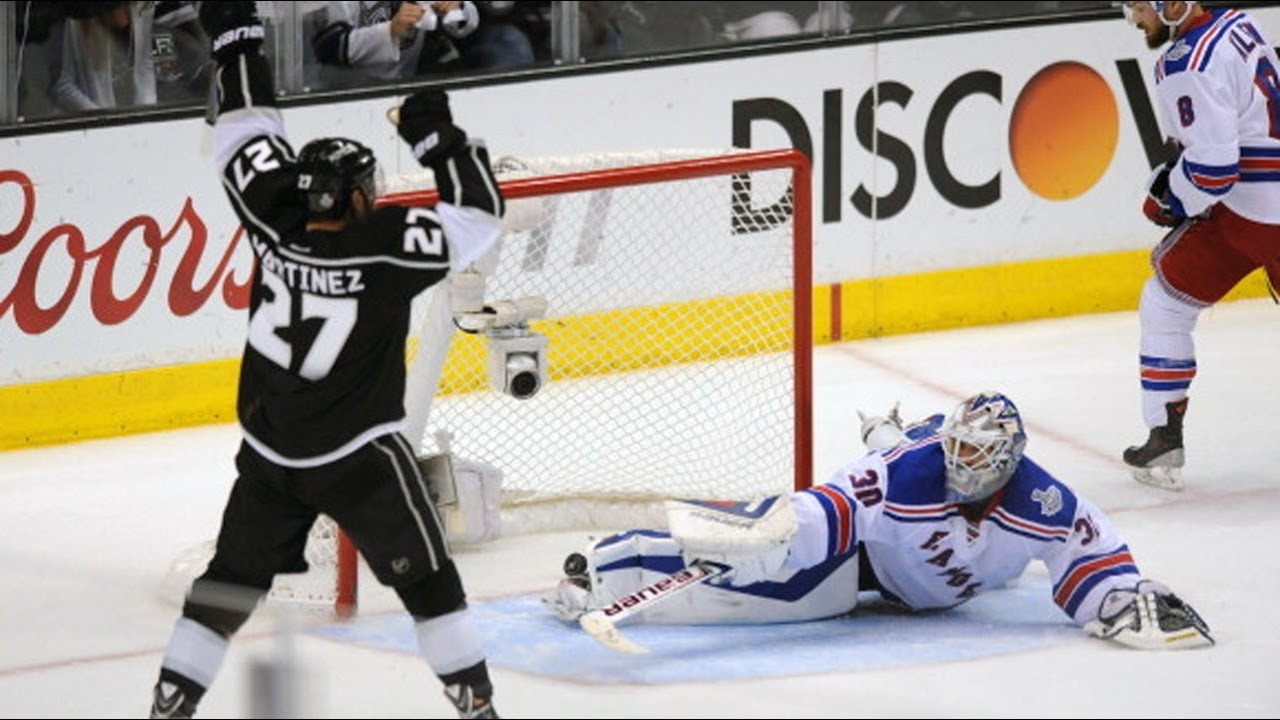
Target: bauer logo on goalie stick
<point x="649" y="593"/>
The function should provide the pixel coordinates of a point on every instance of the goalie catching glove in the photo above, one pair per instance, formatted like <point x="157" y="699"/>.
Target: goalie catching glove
<point x="1149" y="617"/>
<point x="751" y="538"/>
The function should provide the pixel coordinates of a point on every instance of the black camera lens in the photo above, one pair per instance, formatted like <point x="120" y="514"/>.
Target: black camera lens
<point x="523" y="381"/>
<point x="524" y="385"/>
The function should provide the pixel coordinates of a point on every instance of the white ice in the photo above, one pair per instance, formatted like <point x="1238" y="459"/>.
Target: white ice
<point x="87" y="532"/>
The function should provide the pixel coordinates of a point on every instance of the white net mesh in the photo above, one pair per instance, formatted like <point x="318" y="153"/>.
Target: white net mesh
<point x="671" y="328"/>
<point x="315" y="589"/>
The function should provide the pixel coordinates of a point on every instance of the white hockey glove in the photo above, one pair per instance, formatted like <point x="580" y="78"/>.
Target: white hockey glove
<point x="461" y="21"/>
<point x="1149" y="617"/>
<point x="468" y="496"/>
<point x="751" y="538"/>
<point x="882" y="433"/>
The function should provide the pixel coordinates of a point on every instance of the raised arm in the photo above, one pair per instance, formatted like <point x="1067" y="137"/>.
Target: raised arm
<point x="471" y="205"/>
<point x="246" y="99"/>
<point x="253" y="157"/>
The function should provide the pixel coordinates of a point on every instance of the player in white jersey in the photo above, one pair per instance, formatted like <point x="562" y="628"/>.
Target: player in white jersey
<point x="1218" y="88"/>
<point x="932" y="516"/>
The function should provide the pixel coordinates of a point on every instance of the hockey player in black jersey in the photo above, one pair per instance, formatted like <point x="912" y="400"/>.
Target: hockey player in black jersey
<point x="322" y="377"/>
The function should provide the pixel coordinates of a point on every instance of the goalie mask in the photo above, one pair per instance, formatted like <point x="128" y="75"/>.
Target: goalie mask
<point x="329" y="169"/>
<point x="982" y="443"/>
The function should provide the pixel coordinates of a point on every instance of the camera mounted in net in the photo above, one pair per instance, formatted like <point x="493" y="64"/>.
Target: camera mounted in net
<point x="517" y="355"/>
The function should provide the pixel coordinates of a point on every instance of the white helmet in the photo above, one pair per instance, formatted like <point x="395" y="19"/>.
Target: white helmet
<point x="982" y="443"/>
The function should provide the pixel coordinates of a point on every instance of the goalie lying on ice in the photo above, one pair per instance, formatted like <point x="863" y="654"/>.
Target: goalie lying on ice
<point x="935" y="514"/>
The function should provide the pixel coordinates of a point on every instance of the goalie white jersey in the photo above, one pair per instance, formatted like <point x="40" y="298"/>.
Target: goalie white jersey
<point x="928" y="553"/>
<point x="882" y="522"/>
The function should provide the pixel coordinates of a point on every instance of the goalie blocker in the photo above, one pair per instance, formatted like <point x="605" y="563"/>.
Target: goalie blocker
<point x="751" y="538"/>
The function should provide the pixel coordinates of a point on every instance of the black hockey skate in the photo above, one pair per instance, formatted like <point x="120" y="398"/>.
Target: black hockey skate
<point x="1159" y="462"/>
<point x="468" y="704"/>
<point x="169" y="701"/>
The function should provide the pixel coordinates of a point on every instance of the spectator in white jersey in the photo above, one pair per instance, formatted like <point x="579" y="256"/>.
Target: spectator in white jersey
<point x="935" y="514"/>
<point x="392" y="40"/>
<point x="322" y="379"/>
<point x="1218" y="90"/>
<point x="404" y="40"/>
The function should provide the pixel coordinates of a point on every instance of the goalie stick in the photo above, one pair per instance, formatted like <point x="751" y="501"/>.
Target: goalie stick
<point x="601" y="624"/>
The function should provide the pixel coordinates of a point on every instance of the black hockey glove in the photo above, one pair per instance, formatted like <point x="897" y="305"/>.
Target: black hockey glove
<point x="427" y="125"/>
<point x="234" y="28"/>
<point x="1160" y="206"/>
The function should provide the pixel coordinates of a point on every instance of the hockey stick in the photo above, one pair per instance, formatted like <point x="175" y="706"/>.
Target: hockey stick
<point x="601" y="624"/>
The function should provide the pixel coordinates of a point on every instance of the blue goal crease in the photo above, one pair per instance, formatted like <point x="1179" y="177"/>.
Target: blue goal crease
<point x="520" y="634"/>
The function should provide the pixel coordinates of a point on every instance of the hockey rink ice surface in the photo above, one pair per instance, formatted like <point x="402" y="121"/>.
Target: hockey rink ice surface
<point x="87" y="532"/>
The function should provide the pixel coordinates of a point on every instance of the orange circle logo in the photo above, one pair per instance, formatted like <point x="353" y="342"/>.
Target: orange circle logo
<point x="1064" y="130"/>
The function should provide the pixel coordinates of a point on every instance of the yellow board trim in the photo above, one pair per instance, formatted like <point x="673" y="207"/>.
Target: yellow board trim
<point x="123" y="403"/>
<point x="165" y="398"/>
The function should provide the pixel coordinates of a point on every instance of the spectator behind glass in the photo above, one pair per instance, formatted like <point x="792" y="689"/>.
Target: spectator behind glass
<point x="105" y="56"/>
<point x="598" y="36"/>
<point x="649" y="27"/>
<point x="180" y="51"/>
<point x="896" y="14"/>
<point x="645" y="27"/>
<point x="746" y="21"/>
<point x="402" y="40"/>
<point x="37" y="63"/>
<point x="507" y="34"/>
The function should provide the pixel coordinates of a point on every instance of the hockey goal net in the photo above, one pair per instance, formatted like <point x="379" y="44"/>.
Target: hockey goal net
<point x="678" y="288"/>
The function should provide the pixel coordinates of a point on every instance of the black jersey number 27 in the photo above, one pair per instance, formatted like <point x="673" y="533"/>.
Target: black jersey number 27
<point x="337" y="317"/>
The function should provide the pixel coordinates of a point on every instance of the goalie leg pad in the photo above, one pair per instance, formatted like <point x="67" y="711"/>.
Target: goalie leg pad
<point x="622" y="564"/>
